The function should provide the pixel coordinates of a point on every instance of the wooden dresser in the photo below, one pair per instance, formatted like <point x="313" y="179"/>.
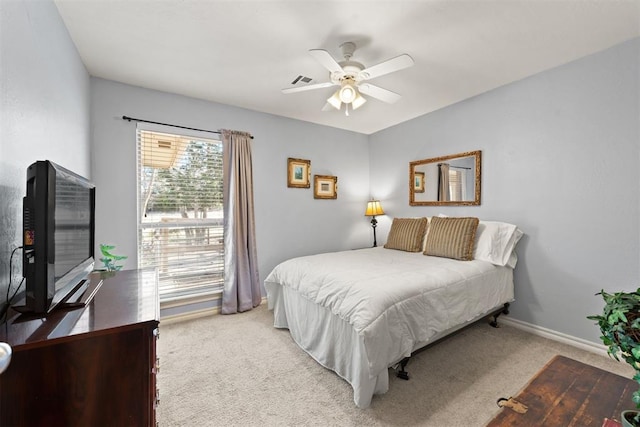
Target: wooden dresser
<point x="89" y="366"/>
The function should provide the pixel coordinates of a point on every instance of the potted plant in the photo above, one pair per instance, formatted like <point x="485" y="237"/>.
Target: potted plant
<point x="109" y="260"/>
<point x="620" y="327"/>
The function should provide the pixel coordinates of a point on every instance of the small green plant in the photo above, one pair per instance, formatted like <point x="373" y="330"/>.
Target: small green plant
<point x="109" y="260"/>
<point x="620" y="327"/>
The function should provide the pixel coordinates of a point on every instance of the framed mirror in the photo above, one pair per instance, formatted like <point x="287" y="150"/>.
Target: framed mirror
<point x="448" y="180"/>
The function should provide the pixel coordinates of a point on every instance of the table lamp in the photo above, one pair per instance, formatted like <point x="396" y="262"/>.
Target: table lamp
<point x="374" y="208"/>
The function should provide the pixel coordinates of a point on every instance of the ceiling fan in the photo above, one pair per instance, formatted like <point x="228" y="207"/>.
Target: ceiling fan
<point x="352" y="78"/>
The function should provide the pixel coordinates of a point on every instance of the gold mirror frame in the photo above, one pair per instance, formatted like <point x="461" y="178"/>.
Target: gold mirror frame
<point x="418" y="179"/>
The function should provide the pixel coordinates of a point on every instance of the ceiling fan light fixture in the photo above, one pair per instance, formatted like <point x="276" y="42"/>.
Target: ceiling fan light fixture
<point x="348" y="93"/>
<point x="334" y="100"/>
<point x="358" y="102"/>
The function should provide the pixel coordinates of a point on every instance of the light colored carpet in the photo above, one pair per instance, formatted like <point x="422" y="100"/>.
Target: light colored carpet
<point x="238" y="370"/>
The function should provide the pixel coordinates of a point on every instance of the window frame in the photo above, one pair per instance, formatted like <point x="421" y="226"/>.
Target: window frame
<point x="181" y="300"/>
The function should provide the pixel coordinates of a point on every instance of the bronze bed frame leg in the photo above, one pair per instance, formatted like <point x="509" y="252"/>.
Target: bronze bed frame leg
<point x="504" y="310"/>
<point x="404" y="375"/>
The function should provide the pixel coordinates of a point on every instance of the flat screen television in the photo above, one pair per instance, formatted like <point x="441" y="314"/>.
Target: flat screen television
<point x="58" y="235"/>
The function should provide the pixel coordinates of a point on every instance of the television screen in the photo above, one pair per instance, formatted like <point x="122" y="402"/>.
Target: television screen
<point x="72" y="221"/>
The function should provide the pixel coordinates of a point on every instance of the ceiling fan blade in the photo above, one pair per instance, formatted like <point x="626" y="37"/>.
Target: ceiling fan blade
<point x="328" y="107"/>
<point x="307" y="87"/>
<point x="327" y="61"/>
<point x="394" y="64"/>
<point x="379" y="93"/>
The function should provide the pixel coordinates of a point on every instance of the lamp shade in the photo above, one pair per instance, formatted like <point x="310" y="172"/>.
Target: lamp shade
<point x="334" y="100"/>
<point x="374" y="208"/>
<point x="347" y="93"/>
<point x="357" y="103"/>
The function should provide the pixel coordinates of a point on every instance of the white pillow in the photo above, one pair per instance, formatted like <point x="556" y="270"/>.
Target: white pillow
<point x="495" y="242"/>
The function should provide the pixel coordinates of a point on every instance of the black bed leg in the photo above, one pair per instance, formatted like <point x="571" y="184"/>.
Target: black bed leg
<point x="402" y="374"/>
<point x="504" y="310"/>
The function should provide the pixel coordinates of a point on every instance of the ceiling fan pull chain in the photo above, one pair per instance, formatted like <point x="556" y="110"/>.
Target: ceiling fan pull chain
<point x="346" y="109"/>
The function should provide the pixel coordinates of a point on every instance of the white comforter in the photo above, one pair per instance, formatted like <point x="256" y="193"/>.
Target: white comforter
<point x="394" y="300"/>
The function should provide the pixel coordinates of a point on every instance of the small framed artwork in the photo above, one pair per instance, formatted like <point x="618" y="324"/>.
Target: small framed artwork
<point x="325" y="187"/>
<point x="298" y="173"/>
<point x="418" y="182"/>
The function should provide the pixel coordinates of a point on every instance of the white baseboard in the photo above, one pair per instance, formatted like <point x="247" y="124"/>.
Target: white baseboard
<point x="555" y="335"/>
<point x="196" y="314"/>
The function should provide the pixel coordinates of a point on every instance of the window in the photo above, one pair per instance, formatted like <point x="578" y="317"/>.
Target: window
<point x="180" y="215"/>
<point x="456" y="187"/>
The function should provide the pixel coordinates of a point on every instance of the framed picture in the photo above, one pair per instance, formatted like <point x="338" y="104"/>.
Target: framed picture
<point x="325" y="187"/>
<point x="298" y="173"/>
<point x="418" y="182"/>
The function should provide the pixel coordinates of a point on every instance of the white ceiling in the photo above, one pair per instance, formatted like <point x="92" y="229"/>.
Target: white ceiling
<point x="242" y="53"/>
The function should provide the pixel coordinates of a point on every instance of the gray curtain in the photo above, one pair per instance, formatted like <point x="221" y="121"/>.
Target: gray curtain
<point x="241" y="283"/>
<point x="443" y="182"/>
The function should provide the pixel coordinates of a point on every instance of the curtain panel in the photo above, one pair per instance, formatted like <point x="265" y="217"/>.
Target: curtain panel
<point x="443" y="182"/>
<point x="241" y="290"/>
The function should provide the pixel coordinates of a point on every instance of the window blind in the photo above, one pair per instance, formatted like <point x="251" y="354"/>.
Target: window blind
<point x="455" y="185"/>
<point x="180" y="220"/>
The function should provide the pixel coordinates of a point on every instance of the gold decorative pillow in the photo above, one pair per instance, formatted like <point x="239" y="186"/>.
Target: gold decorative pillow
<point x="451" y="237"/>
<point x="406" y="234"/>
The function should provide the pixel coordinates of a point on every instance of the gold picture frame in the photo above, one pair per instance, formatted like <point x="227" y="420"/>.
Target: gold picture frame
<point x="469" y="161"/>
<point x="298" y="173"/>
<point x="418" y="182"/>
<point x="325" y="187"/>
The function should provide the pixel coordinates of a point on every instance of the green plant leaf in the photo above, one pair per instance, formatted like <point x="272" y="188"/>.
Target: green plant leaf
<point x="618" y="332"/>
<point x="109" y="259"/>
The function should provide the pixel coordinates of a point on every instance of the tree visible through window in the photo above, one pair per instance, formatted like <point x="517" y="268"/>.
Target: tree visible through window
<point x="180" y="227"/>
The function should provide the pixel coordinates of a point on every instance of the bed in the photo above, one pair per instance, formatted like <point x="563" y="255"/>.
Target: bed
<point x="360" y="312"/>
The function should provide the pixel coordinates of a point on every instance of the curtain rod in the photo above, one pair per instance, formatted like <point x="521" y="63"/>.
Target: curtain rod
<point x="452" y="166"/>
<point x="168" y="124"/>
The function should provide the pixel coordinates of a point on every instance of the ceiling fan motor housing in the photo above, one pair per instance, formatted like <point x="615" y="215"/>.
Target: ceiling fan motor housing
<point x="350" y="70"/>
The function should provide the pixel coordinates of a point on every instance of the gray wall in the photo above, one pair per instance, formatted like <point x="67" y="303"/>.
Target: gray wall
<point x="560" y="159"/>
<point x="289" y="221"/>
<point x="44" y="110"/>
